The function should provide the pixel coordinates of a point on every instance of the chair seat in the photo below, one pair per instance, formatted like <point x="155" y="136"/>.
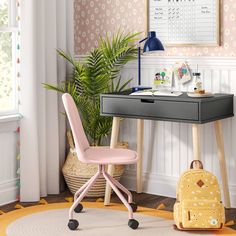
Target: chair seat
<point x="102" y="155"/>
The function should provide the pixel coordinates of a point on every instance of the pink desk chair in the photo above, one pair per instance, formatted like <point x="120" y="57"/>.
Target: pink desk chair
<point x="100" y="156"/>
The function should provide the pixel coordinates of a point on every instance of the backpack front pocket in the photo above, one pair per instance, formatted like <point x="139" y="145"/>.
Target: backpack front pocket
<point x="204" y="214"/>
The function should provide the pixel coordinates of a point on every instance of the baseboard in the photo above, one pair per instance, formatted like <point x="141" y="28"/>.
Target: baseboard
<point x="162" y="185"/>
<point x="9" y="191"/>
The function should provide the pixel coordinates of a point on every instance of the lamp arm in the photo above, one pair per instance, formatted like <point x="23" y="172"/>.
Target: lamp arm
<point x="139" y="65"/>
<point x="143" y="40"/>
<point x="139" y="60"/>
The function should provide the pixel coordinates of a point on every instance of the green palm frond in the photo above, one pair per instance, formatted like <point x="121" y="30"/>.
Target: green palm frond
<point x="96" y="80"/>
<point x="118" y="51"/>
<point x="99" y="74"/>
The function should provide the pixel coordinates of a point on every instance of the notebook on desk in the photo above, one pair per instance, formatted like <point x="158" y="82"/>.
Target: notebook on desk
<point x="157" y="93"/>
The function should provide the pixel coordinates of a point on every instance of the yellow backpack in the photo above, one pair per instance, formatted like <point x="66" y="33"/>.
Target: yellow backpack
<point x="198" y="205"/>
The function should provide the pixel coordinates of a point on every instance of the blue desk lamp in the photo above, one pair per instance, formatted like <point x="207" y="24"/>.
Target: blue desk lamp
<point x="152" y="44"/>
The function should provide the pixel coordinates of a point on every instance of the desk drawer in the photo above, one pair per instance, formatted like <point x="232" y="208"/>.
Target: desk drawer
<point x="150" y="108"/>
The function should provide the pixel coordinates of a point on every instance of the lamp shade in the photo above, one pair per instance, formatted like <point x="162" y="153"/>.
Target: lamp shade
<point x="152" y="43"/>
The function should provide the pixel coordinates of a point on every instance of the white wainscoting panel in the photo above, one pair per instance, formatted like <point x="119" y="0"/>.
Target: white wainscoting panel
<point x="168" y="147"/>
<point x="8" y="162"/>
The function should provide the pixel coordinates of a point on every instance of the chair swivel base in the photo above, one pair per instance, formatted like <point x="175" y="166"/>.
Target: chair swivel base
<point x="116" y="186"/>
<point x="132" y="223"/>
<point x="73" y="224"/>
<point x="79" y="207"/>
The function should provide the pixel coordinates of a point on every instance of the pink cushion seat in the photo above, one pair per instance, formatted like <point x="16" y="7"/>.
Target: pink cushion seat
<point x="102" y="155"/>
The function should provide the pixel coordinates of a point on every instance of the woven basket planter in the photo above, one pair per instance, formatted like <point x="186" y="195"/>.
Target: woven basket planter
<point x="77" y="173"/>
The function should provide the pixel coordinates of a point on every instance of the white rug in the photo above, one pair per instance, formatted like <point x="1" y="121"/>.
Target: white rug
<point x="99" y="222"/>
<point x="95" y="220"/>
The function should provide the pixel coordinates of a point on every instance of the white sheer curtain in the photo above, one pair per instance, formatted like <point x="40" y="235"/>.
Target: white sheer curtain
<point x="44" y="29"/>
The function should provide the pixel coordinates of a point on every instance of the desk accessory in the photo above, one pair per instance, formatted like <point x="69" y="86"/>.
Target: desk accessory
<point x="182" y="72"/>
<point x="199" y="95"/>
<point x="198" y="89"/>
<point x="152" y="44"/>
<point x="163" y="78"/>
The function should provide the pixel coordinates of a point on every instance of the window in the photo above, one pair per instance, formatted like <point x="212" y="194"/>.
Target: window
<point x="9" y="56"/>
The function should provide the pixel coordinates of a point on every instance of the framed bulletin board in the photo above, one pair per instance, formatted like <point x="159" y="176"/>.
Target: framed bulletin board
<point x="185" y="22"/>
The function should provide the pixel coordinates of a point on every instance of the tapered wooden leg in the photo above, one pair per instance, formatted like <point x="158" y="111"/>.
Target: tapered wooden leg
<point x="140" y="125"/>
<point x="222" y="162"/>
<point x="111" y="168"/>
<point x="196" y="141"/>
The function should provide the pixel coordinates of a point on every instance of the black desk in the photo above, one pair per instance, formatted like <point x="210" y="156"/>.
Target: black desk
<point x="176" y="109"/>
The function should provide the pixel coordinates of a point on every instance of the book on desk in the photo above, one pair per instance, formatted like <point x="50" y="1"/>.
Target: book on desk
<point x="151" y="92"/>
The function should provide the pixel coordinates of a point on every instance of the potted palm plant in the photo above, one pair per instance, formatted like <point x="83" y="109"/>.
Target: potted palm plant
<point x="99" y="73"/>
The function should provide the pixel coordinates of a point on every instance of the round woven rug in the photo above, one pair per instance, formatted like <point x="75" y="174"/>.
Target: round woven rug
<point x="52" y="219"/>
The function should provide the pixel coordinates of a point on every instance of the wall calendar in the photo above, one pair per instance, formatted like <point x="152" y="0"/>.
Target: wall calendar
<point x="185" y="22"/>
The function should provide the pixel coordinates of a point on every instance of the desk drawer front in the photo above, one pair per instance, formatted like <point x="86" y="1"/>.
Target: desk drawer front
<point x="151" y="108"/>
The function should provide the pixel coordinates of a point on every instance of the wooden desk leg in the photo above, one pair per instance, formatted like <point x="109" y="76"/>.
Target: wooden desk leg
<point x="140" y="125"/>
<point x="111" y="168"/>
<point x="221" y="156"/>
<point x="196" y="141"/>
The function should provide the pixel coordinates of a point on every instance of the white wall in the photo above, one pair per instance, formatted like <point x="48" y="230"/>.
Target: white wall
<point x="167" y="145"/>
<point x="8" y="162"/>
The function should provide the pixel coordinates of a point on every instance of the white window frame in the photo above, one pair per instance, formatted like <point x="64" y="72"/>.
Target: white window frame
<point x="13" y="28"/>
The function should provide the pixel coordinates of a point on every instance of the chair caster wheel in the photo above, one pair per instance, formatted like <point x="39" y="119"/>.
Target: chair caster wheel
<point x="133" y="224"/>
<point x="78" y="208"/>
<point x="73" y="224"/>
<point x="134" y="206"/>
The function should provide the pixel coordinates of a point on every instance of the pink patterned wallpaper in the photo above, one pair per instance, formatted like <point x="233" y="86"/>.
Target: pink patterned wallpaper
<point x="93" y="18"/>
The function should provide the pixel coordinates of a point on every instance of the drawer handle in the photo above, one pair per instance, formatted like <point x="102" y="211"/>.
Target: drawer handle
<point x="147" y="100"/>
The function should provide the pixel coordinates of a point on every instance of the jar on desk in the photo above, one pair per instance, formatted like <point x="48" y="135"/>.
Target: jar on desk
<point x="197" y="82"/>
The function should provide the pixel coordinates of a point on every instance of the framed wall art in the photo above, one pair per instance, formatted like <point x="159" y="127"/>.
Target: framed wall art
<point x="185" y="22"/>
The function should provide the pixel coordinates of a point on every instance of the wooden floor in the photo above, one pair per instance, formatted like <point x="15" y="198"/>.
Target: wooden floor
<point x="143" y="199"/>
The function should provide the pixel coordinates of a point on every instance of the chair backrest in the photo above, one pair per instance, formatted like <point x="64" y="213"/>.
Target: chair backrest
<point x="80" y="139"/>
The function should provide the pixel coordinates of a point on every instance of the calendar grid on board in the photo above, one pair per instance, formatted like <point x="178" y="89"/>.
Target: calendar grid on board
<point x="188" y="22"/>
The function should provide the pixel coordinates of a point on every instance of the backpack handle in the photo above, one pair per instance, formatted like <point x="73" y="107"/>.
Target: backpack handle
<point x="199" y="166"/>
